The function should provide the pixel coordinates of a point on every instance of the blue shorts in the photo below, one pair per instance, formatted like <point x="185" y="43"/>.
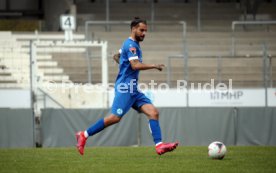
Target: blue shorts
<point x="124" y="101"/>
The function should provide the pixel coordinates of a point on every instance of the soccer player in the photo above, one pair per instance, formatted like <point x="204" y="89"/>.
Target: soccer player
<point x="127" y="94"/>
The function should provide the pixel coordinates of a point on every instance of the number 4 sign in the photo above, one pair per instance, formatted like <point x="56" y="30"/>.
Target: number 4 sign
<point x="67" y="22"/>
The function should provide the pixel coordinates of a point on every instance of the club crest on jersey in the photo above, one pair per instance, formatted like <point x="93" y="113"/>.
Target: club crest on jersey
<point x="132" y="50"/>
<point x="119" y="111"/>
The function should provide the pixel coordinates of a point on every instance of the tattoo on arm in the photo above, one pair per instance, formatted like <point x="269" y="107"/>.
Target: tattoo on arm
<point x="116" y="58"/>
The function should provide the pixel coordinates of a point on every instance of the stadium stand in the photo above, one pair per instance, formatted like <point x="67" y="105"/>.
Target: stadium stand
<point x="15" y="58"/>
<point x="208" y="49"/>
<point x="203" y="47"/>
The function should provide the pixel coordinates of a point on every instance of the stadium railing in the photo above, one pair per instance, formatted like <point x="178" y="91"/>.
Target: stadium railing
<point x="259" y="74"/>
<point x="107" y="25"/>
<point x="233" y="26"/>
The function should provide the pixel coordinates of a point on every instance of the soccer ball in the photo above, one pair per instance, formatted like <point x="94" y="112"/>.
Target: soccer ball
<point x="217" y="150"/>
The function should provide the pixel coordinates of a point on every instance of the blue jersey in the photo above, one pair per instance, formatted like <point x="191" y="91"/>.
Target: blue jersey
<point x="126" y="86"/>
<point x="130" y="50"/>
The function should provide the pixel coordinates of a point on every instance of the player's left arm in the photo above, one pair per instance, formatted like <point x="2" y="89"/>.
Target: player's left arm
<point x="116" y="58"/>
<point x="137" y="65"/>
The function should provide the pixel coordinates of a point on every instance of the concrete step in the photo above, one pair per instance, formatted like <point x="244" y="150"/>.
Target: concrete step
<point x="52" y="70"/>
<point x="25" y="36"/>
<point x="47" y="63"/>
<point x="56" y="78"/>
<point x="54" y="50"/>
<point x="13" y="85"/>
<point x="208" y="76"/>
<point x="213" y="69"/>
<point x="7" y="79"/>
<point x="5" y="74"/>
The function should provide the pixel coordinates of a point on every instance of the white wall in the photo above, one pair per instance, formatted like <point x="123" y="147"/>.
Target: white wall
<point x="232" y="98"/>
<point x="210" y="98"/>
<point x="15" y="98"/>
<point x="96" y="98"/>
<point x="271" y="97"/>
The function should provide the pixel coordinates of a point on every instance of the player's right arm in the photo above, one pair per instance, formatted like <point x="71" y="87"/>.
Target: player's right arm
<point x="137" y="65"/>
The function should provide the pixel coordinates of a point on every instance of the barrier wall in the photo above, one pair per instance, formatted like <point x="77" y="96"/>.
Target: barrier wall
<point x="60" y="125"/>
<point x="91" y="97"/>
<point x="190" y="126"/>
<point x="16" y="128"/>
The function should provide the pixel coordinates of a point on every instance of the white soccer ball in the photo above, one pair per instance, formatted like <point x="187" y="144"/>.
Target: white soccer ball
<point x="217" y="150"/>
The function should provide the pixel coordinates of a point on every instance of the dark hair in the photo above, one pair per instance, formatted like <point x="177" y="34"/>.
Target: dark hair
<point x="136" y="21"/>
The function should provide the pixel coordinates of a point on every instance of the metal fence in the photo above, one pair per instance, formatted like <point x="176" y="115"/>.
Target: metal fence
<point x="246" y="23"/>
<point x="244" y="72"/>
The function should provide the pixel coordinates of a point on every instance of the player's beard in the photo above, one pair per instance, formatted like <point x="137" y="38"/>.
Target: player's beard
<point x="139" y="38"/>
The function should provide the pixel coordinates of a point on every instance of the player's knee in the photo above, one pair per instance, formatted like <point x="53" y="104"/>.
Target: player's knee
<point x="115" y="119"/>
<point x="154" y="114"/>
<point x="112" y="119"/>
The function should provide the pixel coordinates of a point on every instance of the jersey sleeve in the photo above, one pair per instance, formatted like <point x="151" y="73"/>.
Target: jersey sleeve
<point x="132" y="52"/>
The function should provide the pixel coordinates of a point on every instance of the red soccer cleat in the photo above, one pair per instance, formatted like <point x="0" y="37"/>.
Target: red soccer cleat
<point x="81" y="140"/>
<point x="165" y="147"/>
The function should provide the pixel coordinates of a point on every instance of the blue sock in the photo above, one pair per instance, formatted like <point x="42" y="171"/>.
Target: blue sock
<point x="155" y="131"/>
<point x="95" y="128"/>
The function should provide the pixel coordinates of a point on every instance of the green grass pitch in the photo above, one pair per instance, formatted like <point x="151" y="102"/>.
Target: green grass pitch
<point x="136" y="159"/>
